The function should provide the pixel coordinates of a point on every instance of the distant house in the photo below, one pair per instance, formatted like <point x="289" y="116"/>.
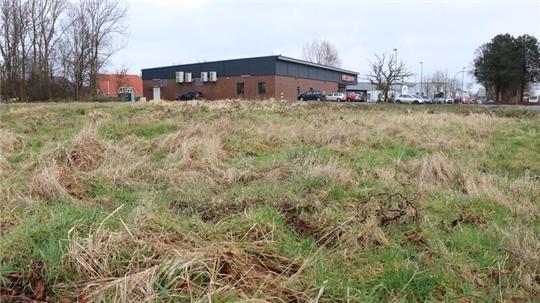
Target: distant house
<point x="112" y="85"/>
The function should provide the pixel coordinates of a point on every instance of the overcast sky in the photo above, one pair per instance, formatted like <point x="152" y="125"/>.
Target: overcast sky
<point x="442" y="34"/>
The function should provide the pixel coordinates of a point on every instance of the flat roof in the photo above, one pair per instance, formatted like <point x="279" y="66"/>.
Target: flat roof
<point x="277" y="57"/>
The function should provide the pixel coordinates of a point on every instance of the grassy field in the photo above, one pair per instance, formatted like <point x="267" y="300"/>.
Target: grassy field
<point x="262" y="201"/>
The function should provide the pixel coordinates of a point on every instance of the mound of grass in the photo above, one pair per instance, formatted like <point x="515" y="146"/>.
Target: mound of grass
<point x="233" y="201"/>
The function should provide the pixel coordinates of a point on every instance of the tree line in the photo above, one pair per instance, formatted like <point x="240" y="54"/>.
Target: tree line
<point x="507" y="65"/>
<point x="54" y="49"/>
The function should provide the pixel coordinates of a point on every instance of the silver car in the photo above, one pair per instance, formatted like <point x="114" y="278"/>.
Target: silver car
<point x="410" y="99"/>
<point x="336" y="97"/>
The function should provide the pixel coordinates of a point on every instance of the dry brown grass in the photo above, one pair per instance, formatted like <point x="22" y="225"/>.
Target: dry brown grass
<point x="339" y="130"/>
<point x="84" y="153"/>
<point x="329" y="171"/>
<point x="238" y="199"/>
<point x="8" y="140"/>
<point x="4" y="164"/>
<point x="61" y="171"/>
<point x="48" y="183"/>
<point x="435" y="169"/>
<point x="440" y="171"/>
<point x="524" y="246"/>
<point x="198" y="155"/>
<point x="116" y="270"/>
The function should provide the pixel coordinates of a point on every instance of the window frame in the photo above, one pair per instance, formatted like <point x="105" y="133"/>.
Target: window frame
<point x="241" y="92"/>
<point x="263" y="86"/>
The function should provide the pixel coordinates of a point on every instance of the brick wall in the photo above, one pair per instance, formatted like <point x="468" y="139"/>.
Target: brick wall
<point x="225" y="88"/>
<point x="289" y="86"/>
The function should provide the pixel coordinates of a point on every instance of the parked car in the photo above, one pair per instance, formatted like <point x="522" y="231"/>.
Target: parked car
<point x="463" y="100"/>
<point x="190" y="96"/>
<point x="312" y="95"/>
<point x="440" y="100"/>
<point x="336" y="97"/>
<point x="533" y="99"/>
<point x="426" y="100"/>
<point x="362" y="98"/>
<point x="353" y="97"/>
<point x="411" y="99"/>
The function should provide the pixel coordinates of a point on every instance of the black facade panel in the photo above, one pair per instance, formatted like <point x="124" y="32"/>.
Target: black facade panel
<point x="230" y="68"/>
<point x="293" y="70"/>
<point x="262" y="66"/>
<point x="302" y="72"/>
<point x="296" y="70"/>
<point x="236" y="68"/>
<point x="282" y="68"/>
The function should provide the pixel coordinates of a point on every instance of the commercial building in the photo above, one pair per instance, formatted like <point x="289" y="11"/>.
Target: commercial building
<point x="250" y="78"/>
<point x="119" y="85"/>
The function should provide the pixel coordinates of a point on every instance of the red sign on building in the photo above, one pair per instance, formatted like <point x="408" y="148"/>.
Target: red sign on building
<point x="348" y="78"/>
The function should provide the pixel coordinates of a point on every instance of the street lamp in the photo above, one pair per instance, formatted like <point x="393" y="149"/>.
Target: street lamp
<point x="395" y="53"/>
<point x="462" y="80"/>
<point x="421" y="78"/>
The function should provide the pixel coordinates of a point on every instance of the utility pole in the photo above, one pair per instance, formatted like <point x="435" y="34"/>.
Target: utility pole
<point x="421" y="78"/>
<point x="397" y="63"/>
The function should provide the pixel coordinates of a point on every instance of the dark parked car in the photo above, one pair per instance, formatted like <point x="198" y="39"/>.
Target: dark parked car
<point x="190" y="96"/>
<point x="312" y="96"/>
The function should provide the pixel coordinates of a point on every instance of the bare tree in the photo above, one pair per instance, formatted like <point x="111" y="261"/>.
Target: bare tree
<point x="439" y="82"/>
<point x="45" y="35"/>
<point x="386" y="72"/>
<point x="50" y="43"/>
<point x="75" y="50"/>
<point x="321" y="52"/>
<point x="121" y="77"/>
<point x="106" y="25"/>
<point x="13" y="31"/>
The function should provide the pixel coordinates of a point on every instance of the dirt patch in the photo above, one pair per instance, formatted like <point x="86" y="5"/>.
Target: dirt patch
<point x="292" y="219"/>
<point x="467" y="219"/>
<point x="365" y="226"/>
<point x="389" y="208"/>
<point x="215" y="212"/>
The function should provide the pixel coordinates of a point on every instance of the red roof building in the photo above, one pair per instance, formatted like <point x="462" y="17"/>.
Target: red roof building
<point x="110" y="85"/>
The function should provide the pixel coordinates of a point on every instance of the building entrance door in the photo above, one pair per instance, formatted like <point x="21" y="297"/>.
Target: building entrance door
<point x="157" y="93"/>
